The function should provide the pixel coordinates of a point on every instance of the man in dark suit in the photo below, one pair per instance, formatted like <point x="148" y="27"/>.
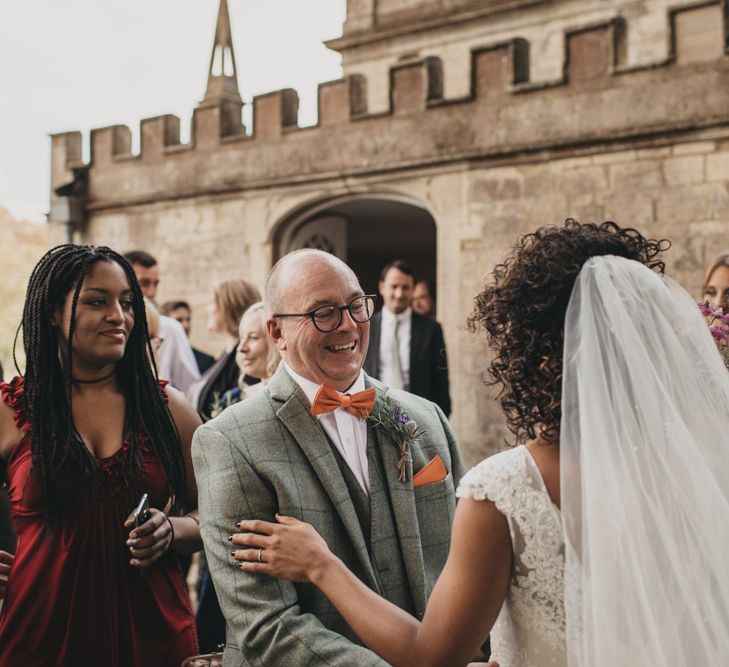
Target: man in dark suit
<point x="407" y="350"/>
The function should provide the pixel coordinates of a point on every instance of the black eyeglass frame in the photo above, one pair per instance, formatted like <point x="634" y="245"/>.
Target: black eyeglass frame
<point x="340" y="309"/>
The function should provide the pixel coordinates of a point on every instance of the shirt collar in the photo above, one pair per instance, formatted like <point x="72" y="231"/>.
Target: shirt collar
<point x="390" y="317"/>
<point x="310" y="388"/>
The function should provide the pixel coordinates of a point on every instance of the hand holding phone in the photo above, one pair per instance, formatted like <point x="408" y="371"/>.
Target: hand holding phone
<point x="150" y="534"/>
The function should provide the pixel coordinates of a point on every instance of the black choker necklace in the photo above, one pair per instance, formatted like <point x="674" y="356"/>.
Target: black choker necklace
<point x="106" y="377"/>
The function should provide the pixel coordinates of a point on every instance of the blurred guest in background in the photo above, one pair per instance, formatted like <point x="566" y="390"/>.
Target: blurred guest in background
<point x="256" y="356"/>
<point x="181" y="311"/>
<point x="422" y="302"/>
<point x="716" y="283"/>
<point x="407" y="351"/>
<point x="177" y="362"/>
<point x="155" y="340"/>
<point x="231" y="298"/>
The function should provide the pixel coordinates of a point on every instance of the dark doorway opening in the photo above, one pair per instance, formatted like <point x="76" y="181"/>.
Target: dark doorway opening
<point x="368" y="232"/>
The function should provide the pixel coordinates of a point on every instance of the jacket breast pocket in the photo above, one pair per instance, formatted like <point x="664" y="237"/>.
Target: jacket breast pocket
<point x="435" y="506"/>
<point x="431" y="491"/>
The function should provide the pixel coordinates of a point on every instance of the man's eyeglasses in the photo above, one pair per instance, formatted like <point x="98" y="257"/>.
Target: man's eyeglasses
<point x="328" y="318"/>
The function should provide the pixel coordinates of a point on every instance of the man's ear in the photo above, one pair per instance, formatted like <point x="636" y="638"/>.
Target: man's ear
<point x="273" y="328"/>
<point x="381" y="288"/>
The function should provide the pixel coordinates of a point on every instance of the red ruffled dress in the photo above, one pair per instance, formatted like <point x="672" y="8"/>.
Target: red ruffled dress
<point x="72" y="597"/>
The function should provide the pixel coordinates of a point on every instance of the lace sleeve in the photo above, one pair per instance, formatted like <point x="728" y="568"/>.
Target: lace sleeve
<point x="494" y="478"/>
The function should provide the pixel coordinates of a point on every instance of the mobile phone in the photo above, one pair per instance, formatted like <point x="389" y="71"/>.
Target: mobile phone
<point x="141" y="514"/>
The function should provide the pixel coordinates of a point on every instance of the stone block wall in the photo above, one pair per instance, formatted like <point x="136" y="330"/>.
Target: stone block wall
<point x="677" y="190"/>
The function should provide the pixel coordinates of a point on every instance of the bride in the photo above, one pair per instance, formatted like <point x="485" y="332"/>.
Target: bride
<point x="594" y="543"/>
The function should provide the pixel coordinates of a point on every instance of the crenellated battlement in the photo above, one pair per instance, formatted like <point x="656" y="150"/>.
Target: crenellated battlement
<point x="504" y="112"/>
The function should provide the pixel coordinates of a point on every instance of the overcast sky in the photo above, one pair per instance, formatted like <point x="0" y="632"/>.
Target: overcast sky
<point x="80" y="64"/>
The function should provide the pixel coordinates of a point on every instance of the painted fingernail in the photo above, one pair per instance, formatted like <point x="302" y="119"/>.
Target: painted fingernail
<point x="242" y="566"/>
<point x="230" y="538"/>
<point x="237" y="525"/>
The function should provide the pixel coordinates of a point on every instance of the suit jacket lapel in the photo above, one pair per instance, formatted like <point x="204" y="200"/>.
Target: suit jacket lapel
<point x="403" y="507"/>
<point x="416" y="343"/>
<point x="372" y="362"/>
<point x="295" y="414"/>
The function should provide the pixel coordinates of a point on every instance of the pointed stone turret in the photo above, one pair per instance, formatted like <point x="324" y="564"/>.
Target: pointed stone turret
<point x="222" y="76"/>
<point x="222" y="91"/>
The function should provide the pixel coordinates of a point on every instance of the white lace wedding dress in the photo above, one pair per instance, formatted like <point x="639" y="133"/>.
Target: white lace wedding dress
<point x="530" y="629"/>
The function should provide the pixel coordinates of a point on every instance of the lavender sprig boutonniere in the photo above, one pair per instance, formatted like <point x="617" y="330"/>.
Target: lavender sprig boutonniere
<point x="398" y="424"/>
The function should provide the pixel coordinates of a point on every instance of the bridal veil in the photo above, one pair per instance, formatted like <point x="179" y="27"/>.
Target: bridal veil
<point x="644" y="453"/>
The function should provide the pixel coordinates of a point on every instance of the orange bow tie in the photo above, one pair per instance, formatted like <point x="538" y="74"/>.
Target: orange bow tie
<point x="328" y="399"/>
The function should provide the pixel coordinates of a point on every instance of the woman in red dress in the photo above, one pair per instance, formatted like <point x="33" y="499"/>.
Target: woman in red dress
<point x="83" y="435"/>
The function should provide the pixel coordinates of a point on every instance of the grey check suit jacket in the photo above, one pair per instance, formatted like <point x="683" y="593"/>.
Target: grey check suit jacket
<point x="267" y="454"/>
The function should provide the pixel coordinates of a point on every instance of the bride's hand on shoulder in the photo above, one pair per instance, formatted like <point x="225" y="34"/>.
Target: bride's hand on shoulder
<point x="289" y="549"/>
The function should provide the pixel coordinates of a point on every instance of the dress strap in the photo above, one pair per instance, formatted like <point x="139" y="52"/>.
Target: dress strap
<point x="13" y="396"/>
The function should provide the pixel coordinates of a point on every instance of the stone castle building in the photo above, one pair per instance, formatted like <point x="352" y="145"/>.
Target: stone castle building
<point x="458" y="125"/>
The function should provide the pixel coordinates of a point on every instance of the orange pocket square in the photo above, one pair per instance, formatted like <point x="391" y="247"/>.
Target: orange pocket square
<point x="433" y="471"/>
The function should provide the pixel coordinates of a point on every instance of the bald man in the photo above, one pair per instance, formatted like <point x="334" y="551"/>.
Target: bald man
<point x="287" y="451"/>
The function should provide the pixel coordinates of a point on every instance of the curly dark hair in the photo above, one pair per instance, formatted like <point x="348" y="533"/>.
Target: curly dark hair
<point x="523" y="306"/>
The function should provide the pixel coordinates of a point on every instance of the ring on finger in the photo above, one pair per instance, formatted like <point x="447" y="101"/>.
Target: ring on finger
<point x="260" y="551"/>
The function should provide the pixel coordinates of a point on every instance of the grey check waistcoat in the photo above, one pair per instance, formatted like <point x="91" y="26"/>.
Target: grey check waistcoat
<point x="378" y="526"/>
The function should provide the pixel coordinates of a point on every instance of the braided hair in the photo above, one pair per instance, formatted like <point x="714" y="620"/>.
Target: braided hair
<point x="56" y="447"/>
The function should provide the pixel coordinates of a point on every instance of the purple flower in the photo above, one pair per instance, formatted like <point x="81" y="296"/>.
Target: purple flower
<point x="706" y="309"/>
<point x="720" y="335"/>
<point x="399" y="415"/>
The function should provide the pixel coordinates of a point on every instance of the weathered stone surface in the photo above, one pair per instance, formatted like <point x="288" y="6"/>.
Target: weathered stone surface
<point x="699" y="34"/>
<point x="684" y="170"/>
<point x="717" y="167"/>
<point x="694" y="148"/>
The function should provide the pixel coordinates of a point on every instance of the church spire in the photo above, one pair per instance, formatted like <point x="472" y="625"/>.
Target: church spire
<point x="222" y="76"/>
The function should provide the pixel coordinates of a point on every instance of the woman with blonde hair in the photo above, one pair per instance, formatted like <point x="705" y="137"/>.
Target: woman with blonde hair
<point x="256" y="356"/>
<point x="715" y="290"/>
<point x="231" y="298"/>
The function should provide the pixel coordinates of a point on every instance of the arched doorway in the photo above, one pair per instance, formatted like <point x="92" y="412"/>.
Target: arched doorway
<point x="367" y="232"/>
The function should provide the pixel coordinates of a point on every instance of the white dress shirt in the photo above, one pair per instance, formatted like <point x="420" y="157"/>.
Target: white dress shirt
<point x="347" y="432"/>
<point x="176" y="360"/>
<point x="387" y="331"/>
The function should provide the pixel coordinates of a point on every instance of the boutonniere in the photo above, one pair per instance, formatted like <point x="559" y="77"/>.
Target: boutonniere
<point x="398" y="424"/>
